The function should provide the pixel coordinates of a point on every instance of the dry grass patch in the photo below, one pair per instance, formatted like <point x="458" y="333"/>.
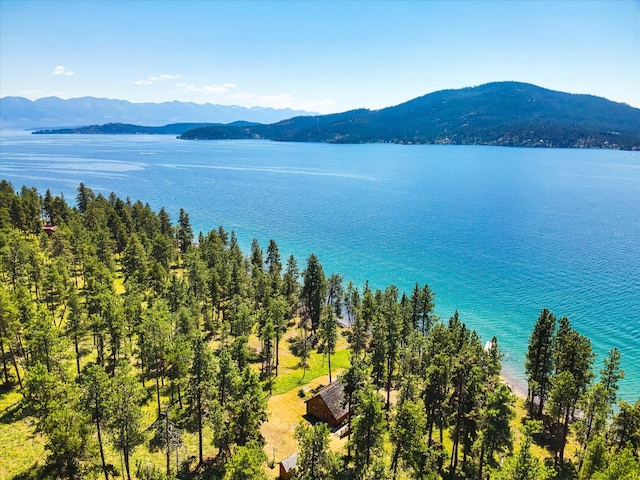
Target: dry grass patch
<point x="286" y="411"/>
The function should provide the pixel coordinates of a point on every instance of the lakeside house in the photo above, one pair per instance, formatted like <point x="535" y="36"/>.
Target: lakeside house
<point x="328" y="404"/>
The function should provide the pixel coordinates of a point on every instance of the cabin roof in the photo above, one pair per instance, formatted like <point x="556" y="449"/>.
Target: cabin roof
<point x="290" y="462"/>
<point x="333" y="397"/>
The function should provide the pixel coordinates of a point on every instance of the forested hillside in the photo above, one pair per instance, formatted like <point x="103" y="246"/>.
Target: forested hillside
<point x="133" y="349"/>
<point x="502" y="113"/>
<point x="129" y="129"/>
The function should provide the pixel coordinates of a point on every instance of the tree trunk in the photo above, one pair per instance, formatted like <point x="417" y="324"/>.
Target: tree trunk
<point x="199" y="404"/>
<point x="4" y="362"/>
<point x="104" y="463"/>
<point x="565" y="431"/>
<point x="481" y="461"/>
<point x="126" y="463"/>
<point x="388" y="388"/>
<point x="166" y="440"/>
<point x="75" y="341"/>
<point x="15" y="365"/>
<point x="158" y="394"/>
<point x="394" y="461"/>
<point x="277" y="353"/>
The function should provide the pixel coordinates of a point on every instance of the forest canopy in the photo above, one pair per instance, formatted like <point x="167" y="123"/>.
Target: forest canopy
<point x="133" y="348"/>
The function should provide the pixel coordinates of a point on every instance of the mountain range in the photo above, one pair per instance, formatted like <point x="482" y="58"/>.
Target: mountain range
<point x="52" y="112"/>
<point x="500" y="113"/>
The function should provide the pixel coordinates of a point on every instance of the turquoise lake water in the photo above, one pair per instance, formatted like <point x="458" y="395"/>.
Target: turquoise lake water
<point x="498" y="233"/>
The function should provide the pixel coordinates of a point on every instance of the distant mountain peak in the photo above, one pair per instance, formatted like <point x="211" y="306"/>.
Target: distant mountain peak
<point x="52" y="112"/>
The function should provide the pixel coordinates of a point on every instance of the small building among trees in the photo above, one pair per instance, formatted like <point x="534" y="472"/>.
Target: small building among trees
<point x="287" y="466"/>
<point x="329" y="405"/>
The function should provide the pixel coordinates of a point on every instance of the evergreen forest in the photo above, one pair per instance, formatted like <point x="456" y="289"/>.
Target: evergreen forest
<point x="133" y="348"/>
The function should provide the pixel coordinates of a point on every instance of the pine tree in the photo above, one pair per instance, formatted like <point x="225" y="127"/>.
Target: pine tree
<point x="96" y="390"/>
<point x="625" y="429"/>
<point x="124" y="413"/>
<point x="200" y="390"/>
<point x="184" y="233"/>
<point x="353" y="380"/>
<point x="407" y="435"/>
<point x="314" y="290"/>
<point x="76" y="324"/>
<point x="246" y="463"/>
<point x="249" y="409"/>
<point x="539" y="363"/>
<point x="315" y="460"/>
<point x="495" y="429"/>
<point x="368" y="429"/>
<point x="573" y="360"/>
<point x="524" y="465"/>
<point x="329" y="336"/>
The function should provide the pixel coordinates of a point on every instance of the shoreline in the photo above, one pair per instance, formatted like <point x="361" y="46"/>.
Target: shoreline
<point x="517" y="385"/>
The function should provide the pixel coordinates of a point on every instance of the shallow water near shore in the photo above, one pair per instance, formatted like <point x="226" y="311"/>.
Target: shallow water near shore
<point x="498" y="233"/>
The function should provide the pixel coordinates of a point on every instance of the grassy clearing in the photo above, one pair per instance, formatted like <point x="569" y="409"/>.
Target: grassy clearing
<point x="20" y="448"/>
<point x="296" y="378"/>
<point x="293" y="376"/>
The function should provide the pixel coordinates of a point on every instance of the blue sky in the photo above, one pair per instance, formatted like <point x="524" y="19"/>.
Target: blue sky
<point x="320" y="56"/>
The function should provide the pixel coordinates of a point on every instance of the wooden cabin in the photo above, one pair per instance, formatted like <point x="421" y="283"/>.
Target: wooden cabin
<point x="287" y="466"/>
<point x="49" y="229"/>
<point x="328" y="404"/>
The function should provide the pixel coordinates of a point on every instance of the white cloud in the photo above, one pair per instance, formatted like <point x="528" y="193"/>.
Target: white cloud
<point x="61" y="70"/>
<point x="230" y="93"/>
<point x="156" y="78"/>
<point x="216" y="89"/>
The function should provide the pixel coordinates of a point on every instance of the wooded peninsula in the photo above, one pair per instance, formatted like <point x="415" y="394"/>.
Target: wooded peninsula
<point x="132" y="348"/>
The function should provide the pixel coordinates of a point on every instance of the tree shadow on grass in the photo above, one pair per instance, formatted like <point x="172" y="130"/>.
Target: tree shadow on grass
<point x="14" y="413"/>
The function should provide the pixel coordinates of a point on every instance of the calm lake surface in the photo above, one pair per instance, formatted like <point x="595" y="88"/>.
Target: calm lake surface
<point x="498" y="233"/>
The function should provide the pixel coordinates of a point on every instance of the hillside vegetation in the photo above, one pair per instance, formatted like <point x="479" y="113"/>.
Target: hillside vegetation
<point x="129" y="129"/>
<point x="506" y="113"/>
<point x="131" y="349"/>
